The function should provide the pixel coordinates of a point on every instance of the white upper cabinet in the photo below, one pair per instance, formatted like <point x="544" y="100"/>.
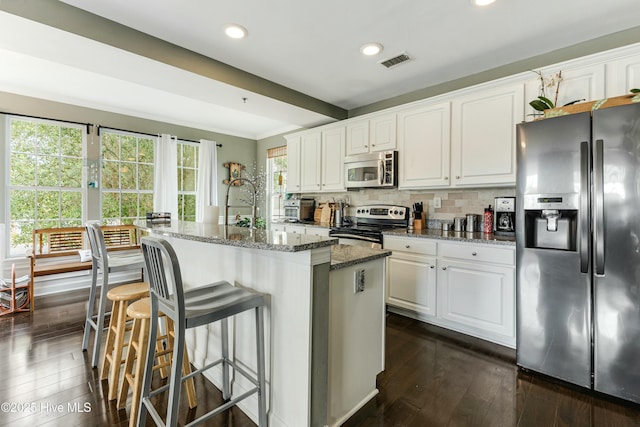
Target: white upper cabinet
<point x="333" y="148"/>
<point x="293" y="164"/>
<point x="624" y="75"/>
<point x="423" y="147"/>
<point x="483" y="136"/>
<point x="375" y="134"/>
<point x="310" y="161"/>
<point x="315" y="161"/>
<point x="586" y="83"/>
<point x="358" y="137"/>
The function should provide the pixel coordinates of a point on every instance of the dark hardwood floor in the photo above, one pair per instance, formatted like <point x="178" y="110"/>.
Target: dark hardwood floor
<point x="433" y="377"/>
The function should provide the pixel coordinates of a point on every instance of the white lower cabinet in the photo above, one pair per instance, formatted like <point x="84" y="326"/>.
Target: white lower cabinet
<point x="411" y="275"/>
<point x="466" y="287"/>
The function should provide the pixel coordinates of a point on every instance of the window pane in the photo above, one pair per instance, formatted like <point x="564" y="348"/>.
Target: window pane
<point x="110" y="205"/>
<point x="71" y="142"/>
<point x="145" y="177"/>
<point x="21" y="236"/>
<point x="129" y="148"/>
<point x="48" y="139"/>
<point x="48" y="205"/>
<point x="146" y="204"/>
<point x="110" y="175"/>
<point x="71" y="172"/>
<point x="23" y="136"/>
<point x="22" y="203"/>
<point x="189" y="156"/>
<point x="189" y="177"/>
<point x="71" y="204"/>
<point x="23" y="170"/>
<point x="48" y="171"/>
<point x="50" y="223"/>
<point x="110" y="146"/>
<point x="145" y="150"/>
<point x="130" y="205"/>
<point x="128" y="176"/>
<point x="189" y="213"/>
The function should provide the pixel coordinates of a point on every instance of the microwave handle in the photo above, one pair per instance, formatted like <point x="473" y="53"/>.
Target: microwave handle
<point x="381" y="176"/>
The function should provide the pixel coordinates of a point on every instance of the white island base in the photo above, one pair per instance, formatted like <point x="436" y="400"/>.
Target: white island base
<point x="324" y="342"/>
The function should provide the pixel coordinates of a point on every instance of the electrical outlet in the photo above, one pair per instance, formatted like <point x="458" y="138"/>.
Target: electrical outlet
<point x="437" y="202"/>
<point x="358" y="283"/>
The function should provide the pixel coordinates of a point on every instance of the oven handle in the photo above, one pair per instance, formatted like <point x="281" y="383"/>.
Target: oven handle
<point x="355" y="237"/>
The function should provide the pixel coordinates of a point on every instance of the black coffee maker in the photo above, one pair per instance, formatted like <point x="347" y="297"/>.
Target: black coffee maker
<point x="504" y="218"/>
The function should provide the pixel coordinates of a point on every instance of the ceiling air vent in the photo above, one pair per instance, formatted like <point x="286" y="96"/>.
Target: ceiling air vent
<point x="396" y="60"/>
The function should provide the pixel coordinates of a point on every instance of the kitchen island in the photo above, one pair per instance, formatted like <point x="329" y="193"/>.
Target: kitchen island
<point x="324" y="338"/>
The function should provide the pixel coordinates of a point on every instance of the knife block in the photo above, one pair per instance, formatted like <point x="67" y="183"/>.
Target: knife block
<point x="420" y="223"/>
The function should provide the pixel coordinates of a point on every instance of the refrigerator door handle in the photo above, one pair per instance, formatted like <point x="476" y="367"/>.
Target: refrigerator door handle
<point x="584" y="206"/>
<point x="598" y="212"/>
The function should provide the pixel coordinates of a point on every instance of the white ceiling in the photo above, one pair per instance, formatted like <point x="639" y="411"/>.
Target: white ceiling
<point x="311" y="47"/>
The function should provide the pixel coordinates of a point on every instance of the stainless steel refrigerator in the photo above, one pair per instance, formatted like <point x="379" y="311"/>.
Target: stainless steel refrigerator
<point x="578" y="249"/>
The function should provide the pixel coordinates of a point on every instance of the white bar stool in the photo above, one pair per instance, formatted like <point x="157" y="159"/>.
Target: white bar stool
<point x="107" y="264"/>
<point x="196" y="307"/>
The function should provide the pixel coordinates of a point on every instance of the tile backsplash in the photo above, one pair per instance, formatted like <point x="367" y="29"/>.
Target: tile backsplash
<point x="454" y="202"/>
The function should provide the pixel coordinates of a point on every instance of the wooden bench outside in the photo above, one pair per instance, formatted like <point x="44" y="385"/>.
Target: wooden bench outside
<point x="56" y="250"/>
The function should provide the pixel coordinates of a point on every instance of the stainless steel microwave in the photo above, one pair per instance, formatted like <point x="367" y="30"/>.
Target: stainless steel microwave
<point x="374" y="170"/>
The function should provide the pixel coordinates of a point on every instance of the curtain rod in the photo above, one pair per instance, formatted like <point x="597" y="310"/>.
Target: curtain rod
<point x="148" y="134"/>
<point x="88" y="125"/>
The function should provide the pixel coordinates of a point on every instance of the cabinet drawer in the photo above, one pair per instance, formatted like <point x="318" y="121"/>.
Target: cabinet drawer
<point x="413" y="245"/>
<point x="484" y="253"/>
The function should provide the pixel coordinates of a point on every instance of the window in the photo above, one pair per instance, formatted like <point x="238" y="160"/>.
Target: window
<point x="45" y="178"/>
<point x="187" y="180"/>
<point x="127" y="176"/>
<point x="277" y="180"/>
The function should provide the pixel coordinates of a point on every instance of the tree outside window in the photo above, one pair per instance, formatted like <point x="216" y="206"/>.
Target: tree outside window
<point x="45" y="178"/>
<point x="187" y="180"/>
<point x="127" y="176"/>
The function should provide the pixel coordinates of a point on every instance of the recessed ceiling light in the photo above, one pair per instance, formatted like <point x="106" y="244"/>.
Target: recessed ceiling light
<point x="371" y="49"/>
<point x="481" y="2"/>
<point x="235" y="31"/>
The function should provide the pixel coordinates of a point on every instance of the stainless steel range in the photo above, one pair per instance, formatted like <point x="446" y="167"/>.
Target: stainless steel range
<point x="370" y="222"/>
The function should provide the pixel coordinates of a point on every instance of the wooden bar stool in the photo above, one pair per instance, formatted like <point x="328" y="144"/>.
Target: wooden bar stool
<point x="195" y="307"/>
<point x="140" y="311"/>
<point x="121" y="296"/>
<point x="107" y="264"/>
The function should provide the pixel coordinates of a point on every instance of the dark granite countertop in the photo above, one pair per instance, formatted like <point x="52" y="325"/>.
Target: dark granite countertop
<point x="238" y="236"/>
<point x="346" y="255"/>
<point x="459" y="236"/>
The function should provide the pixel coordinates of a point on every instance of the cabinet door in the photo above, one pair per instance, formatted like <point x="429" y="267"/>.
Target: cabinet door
<point x="623" y="75"/>
<point x="412" y="282"/>
<point x="296" y="229"/>
<point x="293" y="164"/>
<point x="317" y="231"/>
<point x="333" y="141"/>
<point x="382" y="133"/>
<point x="423" y="147"/>
<point x="483" y="136"/>
<point x="358" y="138"/>
<point x="310" y="162"/>
<point x="477" y="295"/>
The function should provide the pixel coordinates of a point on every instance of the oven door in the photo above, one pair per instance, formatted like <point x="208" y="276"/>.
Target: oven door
<point x="356" y="240"/>
<point x="292" y="213"/>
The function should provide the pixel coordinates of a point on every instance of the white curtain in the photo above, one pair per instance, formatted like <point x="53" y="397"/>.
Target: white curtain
<point x="207" y="194"/>
<point x="165" y="193"/>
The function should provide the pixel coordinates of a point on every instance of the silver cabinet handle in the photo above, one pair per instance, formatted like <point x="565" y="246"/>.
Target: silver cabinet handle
<point x="407" y="246"/>
<point x="444" y="268"/>
<point x="457" y="176"/>
<point x="474" y="253"/>
<point x="432" y="266"/>
<point x="446" y="178"/>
